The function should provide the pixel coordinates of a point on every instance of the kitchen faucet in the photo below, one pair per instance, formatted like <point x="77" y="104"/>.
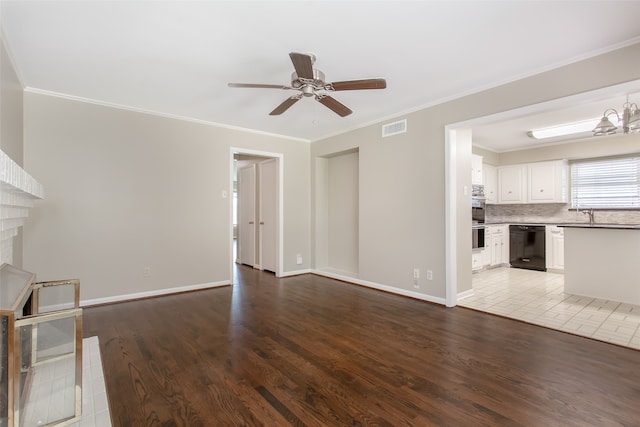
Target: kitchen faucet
<point x="590" y="213"/>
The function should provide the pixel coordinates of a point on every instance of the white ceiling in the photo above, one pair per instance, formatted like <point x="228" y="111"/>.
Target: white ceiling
<point x="511" y="134"/>
<point x="176" y="57"/>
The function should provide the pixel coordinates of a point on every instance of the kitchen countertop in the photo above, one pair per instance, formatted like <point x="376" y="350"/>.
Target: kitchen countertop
<point x="596" y="225"/>
<point x="573" y="225"/>
<point x="520" y="223"/>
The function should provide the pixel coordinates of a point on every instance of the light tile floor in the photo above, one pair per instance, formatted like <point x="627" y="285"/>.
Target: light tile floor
<point x="53" y="384"/>
<point x="95" y="406"/>
<point x="539" y="298"/>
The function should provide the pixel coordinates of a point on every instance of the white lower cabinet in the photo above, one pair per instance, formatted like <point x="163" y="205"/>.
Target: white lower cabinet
<point x="554" y="246"/>
<point x="496" y="246"/>
<point x="500" y="252"/>
<point x="486" y="252"/>
<point x="476" y="259"/>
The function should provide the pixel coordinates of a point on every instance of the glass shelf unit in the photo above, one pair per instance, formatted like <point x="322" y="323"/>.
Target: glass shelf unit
<point x="40" y="350"/>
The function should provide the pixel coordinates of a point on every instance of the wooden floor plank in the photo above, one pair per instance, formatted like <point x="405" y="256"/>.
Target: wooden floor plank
<point x="312" y="351"/>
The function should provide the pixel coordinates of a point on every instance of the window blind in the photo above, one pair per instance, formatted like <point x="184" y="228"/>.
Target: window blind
<point x="606" y="183"/>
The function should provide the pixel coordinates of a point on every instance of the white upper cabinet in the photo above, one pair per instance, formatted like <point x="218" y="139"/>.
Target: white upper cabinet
<point x="490" y="179"/>
<point x="541" y="182"/>
<point x="476" y="169"/>
<point x="547" y="182"/>
<point x="511" y="184"/>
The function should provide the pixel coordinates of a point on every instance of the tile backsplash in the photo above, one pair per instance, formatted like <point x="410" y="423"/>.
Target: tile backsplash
<point x="555" y="213"/>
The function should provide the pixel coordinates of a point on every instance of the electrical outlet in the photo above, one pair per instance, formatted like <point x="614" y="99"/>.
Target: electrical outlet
<point x="416" y="273"/>
<point x="429" y="275"/>
<point x="146" y="272"/>
<point x="299" y="259"/>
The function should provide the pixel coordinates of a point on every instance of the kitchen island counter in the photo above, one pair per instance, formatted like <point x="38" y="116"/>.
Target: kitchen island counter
<point x="602" y="261"/>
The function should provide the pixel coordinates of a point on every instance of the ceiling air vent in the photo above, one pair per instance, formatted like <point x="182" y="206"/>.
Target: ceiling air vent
<point x="394" y="128"/>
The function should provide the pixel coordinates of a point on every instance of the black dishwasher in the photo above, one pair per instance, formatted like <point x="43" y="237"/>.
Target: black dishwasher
<point x="527" y="247"/>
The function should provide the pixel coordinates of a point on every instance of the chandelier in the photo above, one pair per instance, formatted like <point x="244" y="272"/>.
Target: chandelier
<point x="629" y="120"/>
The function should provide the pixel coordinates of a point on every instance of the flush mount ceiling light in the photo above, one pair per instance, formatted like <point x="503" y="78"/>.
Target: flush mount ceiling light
<point x="563" y="130"/>
<point x="630" y="120"/>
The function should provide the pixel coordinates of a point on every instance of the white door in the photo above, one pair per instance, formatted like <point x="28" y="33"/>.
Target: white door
<point x="246" y="215"/>
<point x="268" y="190"/>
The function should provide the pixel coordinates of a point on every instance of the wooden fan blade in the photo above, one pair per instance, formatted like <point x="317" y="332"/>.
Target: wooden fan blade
<point x="303" y="63"/>
<point x="337" y="107"/>
<point x="360" y="84"/>
<point x="257" y="85"/>
<point x="284" y="106"/>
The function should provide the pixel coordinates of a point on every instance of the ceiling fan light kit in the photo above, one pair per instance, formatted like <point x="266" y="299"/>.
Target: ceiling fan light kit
<point x="311" y="83"/>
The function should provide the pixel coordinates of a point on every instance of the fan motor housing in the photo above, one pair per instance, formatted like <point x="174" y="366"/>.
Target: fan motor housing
<point x="317" y="83"/>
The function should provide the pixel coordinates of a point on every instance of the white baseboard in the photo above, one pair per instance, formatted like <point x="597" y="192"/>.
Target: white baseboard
<point x="465" y="294"/>
<point x="386" y="288"/>
<point x="294" y="273"/>
<point x="139" y="295"/>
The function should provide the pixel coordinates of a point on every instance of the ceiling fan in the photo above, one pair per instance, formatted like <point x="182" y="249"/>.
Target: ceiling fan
<point x="310" y="82"/>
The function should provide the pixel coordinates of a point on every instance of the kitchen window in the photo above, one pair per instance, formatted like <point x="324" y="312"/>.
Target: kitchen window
<point x="606" y="183"/>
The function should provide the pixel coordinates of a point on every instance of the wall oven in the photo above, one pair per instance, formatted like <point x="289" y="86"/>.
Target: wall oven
<point x="477" y="233"/>
<point x="477" y="224"/>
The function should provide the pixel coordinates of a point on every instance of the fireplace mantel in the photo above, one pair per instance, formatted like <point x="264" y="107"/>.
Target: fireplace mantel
<point x="18" y="190"/>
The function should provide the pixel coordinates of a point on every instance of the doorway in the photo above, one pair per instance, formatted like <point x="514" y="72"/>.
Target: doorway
<point x="256" y="214"/>
<point x="458" y="148"/>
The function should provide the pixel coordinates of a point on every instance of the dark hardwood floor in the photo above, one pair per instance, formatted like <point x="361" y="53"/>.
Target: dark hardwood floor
<point x="311" y="351"/>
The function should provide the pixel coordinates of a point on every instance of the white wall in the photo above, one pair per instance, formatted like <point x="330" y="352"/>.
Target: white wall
<point x="320" y="214"/>
<point x="402" y="178"/>
<point x="461" y="218"/>
<point x="10" y="108"/>
<point x="128" y="191"/>
<point x="395" y="215"/>
<point x="11" y="118"/>
<point x="343" y="215"/>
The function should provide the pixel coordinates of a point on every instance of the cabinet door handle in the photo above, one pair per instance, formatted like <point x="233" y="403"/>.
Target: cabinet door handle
<point x="261" y="222"/>
<point x="250" y="222"/>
